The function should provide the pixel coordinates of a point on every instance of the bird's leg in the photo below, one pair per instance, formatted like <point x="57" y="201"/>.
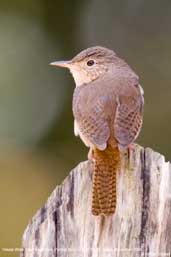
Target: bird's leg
<point x="130" y="149"/>
<point x="91" y="155"/>
<point x="130" y="164"/>
<point x="127" y="153"/>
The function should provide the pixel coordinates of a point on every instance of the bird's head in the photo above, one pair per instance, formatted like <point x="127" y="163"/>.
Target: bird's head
<point x="89" y="64"/>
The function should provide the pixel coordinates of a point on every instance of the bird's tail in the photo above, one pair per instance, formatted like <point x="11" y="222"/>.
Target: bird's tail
<point x="106" y="164"/>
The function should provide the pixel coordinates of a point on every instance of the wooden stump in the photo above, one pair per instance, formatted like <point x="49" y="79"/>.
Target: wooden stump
<point x="141" y="226"/>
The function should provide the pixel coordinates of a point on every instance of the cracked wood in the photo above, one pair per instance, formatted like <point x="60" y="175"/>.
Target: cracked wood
<point x="141" y="226"/>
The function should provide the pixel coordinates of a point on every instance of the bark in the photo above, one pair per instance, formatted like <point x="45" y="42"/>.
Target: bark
<point x="141" y="225"/>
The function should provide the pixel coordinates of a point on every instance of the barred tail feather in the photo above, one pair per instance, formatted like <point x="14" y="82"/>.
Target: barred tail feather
<point x="106" y="164"/>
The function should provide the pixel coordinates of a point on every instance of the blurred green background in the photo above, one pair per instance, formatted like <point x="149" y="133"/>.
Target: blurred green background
<point x="37" y="145"/>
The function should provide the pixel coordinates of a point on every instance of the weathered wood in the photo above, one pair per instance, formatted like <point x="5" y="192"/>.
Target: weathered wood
<point x="141" y="225"/>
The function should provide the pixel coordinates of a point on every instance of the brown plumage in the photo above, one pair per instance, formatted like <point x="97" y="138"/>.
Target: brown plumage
<point x="108" y="110"/>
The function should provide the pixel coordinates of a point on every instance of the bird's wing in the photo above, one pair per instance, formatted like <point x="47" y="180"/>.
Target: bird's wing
<point x="91" y="120"/>
<point x="95" y="107"/>
<point x="128" y="117"/>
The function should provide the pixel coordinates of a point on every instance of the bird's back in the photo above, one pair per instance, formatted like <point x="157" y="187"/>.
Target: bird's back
<point x="99" y="98"/>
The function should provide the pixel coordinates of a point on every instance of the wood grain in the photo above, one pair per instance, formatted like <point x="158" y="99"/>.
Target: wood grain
<point x="141" y="225"/>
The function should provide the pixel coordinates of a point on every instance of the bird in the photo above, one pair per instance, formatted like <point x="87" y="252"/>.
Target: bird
<point x="108" y="103"/>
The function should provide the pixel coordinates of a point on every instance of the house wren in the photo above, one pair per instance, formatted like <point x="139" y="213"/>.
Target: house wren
<point x="108" y="111"/>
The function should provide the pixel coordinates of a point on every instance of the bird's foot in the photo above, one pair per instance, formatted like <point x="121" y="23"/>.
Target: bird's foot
<point x="130" y="149"/>
<point x="91" y="155"/>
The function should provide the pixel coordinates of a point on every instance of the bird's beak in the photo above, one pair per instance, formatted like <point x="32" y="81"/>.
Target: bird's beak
<point x="63" y="64"/>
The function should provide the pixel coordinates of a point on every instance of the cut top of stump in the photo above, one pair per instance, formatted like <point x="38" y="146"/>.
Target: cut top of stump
<point x="141" y="225"/>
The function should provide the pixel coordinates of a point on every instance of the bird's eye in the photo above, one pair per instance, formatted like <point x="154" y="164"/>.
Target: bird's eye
<point x="90" y="62"/>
